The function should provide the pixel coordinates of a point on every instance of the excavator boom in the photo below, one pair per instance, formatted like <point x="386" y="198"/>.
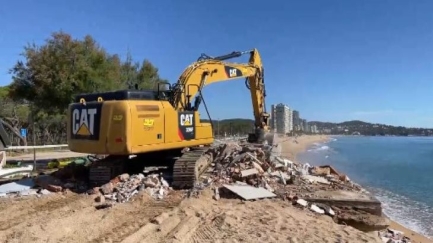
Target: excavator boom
<point x="208" y="70"/>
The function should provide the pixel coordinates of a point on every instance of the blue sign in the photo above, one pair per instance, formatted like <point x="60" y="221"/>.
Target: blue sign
<point x="23" y="132"/>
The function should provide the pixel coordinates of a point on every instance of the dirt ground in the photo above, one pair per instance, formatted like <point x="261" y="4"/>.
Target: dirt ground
<point x="73" y="218"/>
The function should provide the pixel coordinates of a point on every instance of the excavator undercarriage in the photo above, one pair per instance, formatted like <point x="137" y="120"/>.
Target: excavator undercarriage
<point x="182" y="168"/>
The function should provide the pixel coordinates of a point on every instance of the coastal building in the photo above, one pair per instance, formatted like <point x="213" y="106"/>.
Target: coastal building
<point x="307" y="127"/>
<point x="281" y="118"/>
<point x="304" y="125"/>
<point x="313" y="128"/>
<point x="296" y="121"/>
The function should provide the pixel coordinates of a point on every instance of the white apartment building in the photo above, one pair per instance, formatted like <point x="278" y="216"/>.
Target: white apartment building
<point x="313" y="129"/>
<point x="281" y="118"/>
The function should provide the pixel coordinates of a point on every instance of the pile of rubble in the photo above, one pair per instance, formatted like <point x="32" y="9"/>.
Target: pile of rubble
<point x="252" y="164"/>
<point x="393" y="236"/>
<point x="122" y="188"/>
<point x="250" y="172"/>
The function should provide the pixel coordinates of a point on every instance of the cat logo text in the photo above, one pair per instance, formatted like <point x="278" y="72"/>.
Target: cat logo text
<point x="83" y="121"/>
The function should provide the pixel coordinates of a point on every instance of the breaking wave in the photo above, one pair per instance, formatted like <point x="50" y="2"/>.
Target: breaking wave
<point x="399" y="205"/>
<point x="415" y="215"/>
<point x="318" y="147"/>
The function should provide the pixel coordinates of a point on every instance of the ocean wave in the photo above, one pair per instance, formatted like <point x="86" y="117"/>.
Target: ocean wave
<point x="414" y="215"/>
<point x="318" y="147"/>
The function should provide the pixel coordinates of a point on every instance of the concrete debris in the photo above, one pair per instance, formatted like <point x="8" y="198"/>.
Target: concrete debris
<point x="316" y="209"/>
<point x="122" y="188"/>
<point x="315" y="179"/>
<point x="393" y="236"/>
<point x="217" y="194"/>
<point x="248" y="171"/>
<point x="252" y="164"/>
<point x="302" y="202"/>
<point x="248" y="192"/>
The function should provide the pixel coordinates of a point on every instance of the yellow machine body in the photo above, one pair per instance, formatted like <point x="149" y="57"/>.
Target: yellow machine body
<point x="125" y="127"/>
<point x="131" y="122"/>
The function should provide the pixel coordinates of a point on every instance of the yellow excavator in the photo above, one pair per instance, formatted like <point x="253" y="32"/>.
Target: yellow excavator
<point x="156" y="126"/>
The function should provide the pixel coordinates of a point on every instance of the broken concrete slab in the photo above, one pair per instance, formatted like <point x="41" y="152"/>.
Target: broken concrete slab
<point x="248" y="192"/>
<point x="342" y="198"/>
<point x="249" y="172"/>
<point x="316" y="179"/>
<point x="302" y="202"/>
<point x="316" y="209"/>
<point x="361" y="220"/>
<point x="343" y="194"/>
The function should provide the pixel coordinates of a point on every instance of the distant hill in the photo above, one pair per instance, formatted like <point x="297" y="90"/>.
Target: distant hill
<point x="232" y="126"/>
<point x="372" y="129"/>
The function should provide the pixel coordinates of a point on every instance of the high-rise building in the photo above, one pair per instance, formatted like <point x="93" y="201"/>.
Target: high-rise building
<point x="314" y="129"/>
<point x="281" y="118"/>
<point x="296" y="121"/>
<point x="304" y="125"/>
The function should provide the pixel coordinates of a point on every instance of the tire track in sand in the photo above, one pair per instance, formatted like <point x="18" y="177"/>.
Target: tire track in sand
<point x="208" y="232"/>
<point x="126" y="226"/>
<point x="23" y="211"/>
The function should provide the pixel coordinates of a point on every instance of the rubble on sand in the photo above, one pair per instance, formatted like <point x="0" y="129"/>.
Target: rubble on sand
<point x="122" y="188"/>
<point x="235" y="166"/>
<point x="251" y="164"/>
<point x="393" y="236"/>
<point x="118" y="190"/>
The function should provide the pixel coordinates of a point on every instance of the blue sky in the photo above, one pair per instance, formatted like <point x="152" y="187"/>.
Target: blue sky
<point x="331" y="60"/>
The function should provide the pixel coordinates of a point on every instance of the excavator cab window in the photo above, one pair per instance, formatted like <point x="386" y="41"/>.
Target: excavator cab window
<point x="165" y="91"/>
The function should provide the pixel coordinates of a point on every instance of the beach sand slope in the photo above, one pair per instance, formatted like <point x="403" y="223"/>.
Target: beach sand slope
<point x="293" y="146"/>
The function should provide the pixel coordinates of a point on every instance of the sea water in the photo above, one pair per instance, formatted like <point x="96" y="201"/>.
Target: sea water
<point x="397" y="170"/>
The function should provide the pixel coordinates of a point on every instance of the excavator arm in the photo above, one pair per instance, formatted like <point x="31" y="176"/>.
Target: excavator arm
<point x="208" y="70"/>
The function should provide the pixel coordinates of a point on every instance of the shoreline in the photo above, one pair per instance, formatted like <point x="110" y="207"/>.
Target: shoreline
<point x="291" y="147"/>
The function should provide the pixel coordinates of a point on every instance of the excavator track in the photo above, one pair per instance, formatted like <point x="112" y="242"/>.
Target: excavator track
<point x="188" y="168"/>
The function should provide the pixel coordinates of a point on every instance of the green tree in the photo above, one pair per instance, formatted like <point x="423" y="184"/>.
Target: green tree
<point x="54" y="72"/>
<point x="45" y="82"/>
<point x="148" y="77"/>
<point x="14" y="115"/>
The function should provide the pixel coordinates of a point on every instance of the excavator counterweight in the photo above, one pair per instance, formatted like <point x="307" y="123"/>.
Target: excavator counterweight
<point x="162" y="123"/>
